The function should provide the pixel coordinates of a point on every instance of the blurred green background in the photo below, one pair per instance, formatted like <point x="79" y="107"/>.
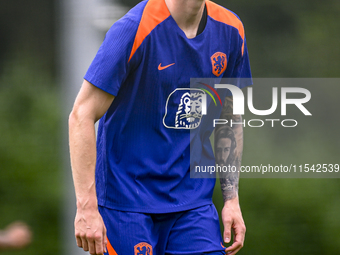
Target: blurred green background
<point x="285" y="39"/>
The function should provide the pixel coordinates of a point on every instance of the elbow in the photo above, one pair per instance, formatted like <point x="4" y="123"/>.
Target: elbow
<point x="74" y="118"/>
<point x="80" y="117"/>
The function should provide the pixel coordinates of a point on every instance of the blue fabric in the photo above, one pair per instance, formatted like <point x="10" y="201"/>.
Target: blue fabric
<point x="143" y="165"/>
<point x="192" y="232"/>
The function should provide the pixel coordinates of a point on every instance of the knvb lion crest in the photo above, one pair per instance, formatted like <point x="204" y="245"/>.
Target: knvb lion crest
<point x="185" y="108"/>
<point x="219" y="63"/>
<point x="143" y="249"/>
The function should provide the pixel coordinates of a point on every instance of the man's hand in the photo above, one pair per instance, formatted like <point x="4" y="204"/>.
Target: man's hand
<point x="16" y="236"/>
<point x="90" y="231"/>
<point x="233" y="221"/>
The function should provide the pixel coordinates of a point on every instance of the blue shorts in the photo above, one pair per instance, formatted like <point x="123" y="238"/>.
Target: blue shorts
<point x="192" y="232"/>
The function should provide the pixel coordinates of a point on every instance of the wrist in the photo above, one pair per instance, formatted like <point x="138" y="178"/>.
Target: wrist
<point x="232" y="201"/>
<point x="87" y="204"/>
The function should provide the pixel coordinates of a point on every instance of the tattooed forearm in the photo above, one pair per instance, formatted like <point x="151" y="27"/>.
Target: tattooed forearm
<point x="228" y="149"/>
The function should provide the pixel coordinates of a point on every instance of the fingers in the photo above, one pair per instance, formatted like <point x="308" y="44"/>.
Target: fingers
<point x="227" y="229"/>
<point x="85" y="245"/>
<point x="93" y="247"/>
<point x="239" y="232"/>
<point x="234" y="251"/>
<point x="234" y="248"/>
<point x="98" y="241"/>
<point x="93" y="243"/>
<point x="90" y="232"/>
<point x="79" y="242"/>
<point x="83" y="242"/>
<point x="105" y="240"/>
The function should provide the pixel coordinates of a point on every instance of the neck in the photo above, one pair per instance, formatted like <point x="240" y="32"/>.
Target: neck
<point x="187" y="14"/>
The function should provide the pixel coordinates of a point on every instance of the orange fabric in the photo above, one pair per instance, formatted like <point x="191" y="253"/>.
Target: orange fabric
<point x="154" y="13"/>
<point x="227" y="17"/>
<point x="110" y="249"/>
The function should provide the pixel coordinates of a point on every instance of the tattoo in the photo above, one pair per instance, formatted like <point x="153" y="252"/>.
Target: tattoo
<point x="228" y="150"/>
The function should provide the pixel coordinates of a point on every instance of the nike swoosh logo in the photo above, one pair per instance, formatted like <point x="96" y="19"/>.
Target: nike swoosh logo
<point x="160" y="67"/>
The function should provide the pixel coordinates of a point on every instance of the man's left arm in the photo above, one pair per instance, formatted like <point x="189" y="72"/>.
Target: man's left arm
<point x="231" y="213"/>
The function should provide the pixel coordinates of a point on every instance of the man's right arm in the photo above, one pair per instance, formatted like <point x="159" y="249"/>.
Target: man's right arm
<point x="90" y="105"/>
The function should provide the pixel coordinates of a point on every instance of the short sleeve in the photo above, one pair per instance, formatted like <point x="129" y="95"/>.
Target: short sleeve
<point x="242" y="67"/>
<point x="241" y="73"/>
<point x="109" y="68"/>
